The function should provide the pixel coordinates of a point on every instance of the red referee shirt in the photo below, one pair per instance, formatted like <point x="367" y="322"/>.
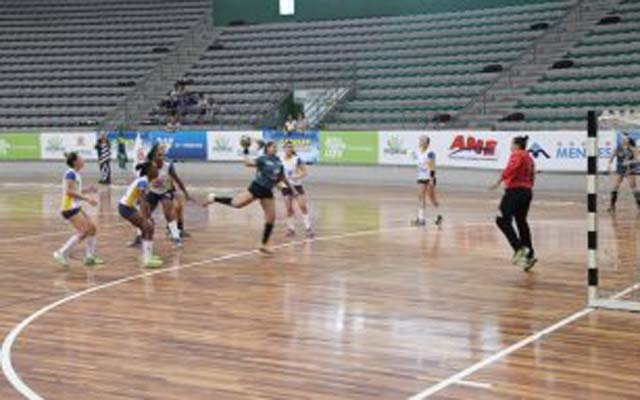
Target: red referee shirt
<point x="520" y="171"/>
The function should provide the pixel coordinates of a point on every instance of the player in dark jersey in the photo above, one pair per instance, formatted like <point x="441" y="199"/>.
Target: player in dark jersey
<point x="626" y="156"/>
<point x="518" y="179"/>
<point x="269" y="173"/>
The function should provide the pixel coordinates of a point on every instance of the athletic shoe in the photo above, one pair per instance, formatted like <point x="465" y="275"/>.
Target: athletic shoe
<point x="93" y="261"/>
<point x="290" y="233"/>
<point x="519" y="255"/>
<point x="418" y="222"/>
<point x="266" y="249"/>
<point x="177" y="243"/>
<point x="439" y="221"/>
<point x="529" y="263"/>
<point x="310" y="233"/>
<point x="611" y="210"/>
<point x="184" y="234"/>
<point x="136" y="243"/>
<point x="152" y="263"/>
<point x="61" y="258"/>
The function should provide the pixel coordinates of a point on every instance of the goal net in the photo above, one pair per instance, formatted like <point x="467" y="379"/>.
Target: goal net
<point x="614" y="209"/>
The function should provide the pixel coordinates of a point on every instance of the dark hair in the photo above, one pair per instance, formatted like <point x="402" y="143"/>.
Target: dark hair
<point x="144" y="168"/>
<point x="71" y="158"/>
<point x="521" y="141"/>
<point x="290" y="143"/>
<point x="152" y="152"/>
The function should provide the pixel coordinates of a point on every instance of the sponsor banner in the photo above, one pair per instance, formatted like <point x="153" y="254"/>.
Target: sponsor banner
<point x="349" y="147"/>
<point x="53" y="145"/>
<point x="398" y="147"/>
<point x="562" y="151"/>
<point x="20" y="146"/>
<point x="181" y="145"/>
<point x="567" y="150"/>
<point x="307" y="144"/>
<point x="472" y="149"/>
<point x="225" y="145"/>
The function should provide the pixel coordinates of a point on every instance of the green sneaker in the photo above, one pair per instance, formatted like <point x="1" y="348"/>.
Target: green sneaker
<point x="153" y="263"/>
<point x="61" y="258"/>
<point x="92" y="261"/>
<point x="518" y="256"/>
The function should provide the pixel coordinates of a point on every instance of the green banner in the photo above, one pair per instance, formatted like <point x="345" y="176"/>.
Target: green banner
<point x="349" y="147"/>
<point x="20" y="146"/>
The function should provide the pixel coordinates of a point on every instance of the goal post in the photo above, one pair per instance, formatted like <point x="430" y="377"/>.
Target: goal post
<point x="613" y="236"/>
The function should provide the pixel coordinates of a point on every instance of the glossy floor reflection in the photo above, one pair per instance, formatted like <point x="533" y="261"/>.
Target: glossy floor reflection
<point x="372" y="309"/>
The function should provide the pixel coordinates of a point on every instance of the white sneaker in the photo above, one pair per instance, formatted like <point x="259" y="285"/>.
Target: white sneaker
<point x="61" y="258"/>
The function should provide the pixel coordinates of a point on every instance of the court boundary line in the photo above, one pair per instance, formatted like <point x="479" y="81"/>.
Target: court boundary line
<point x="460" y="376"/>
<point x="22" y="388"/>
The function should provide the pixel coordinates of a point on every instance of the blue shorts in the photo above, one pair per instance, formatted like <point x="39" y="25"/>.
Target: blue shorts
<point x="288" y="192"/>
<point x="153" y="199"/>
<point x="126" y="212"/>
<point x="68" y="214"/>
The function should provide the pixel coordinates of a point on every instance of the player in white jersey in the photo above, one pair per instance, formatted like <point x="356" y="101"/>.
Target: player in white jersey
<point x="426" y="161"/>
<point x="72" y="198"/>
<point x="135" y="196"/>
<point x="295" y="171"/>
<point x="162" y="191"/>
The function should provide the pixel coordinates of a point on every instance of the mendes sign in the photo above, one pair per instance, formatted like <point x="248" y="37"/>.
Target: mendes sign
<point x="349" y="147"/>
<point x="20" y="146"/>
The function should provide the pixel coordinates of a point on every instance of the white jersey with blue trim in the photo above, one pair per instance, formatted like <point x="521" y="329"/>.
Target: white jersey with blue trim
<point x="422" y="159"/>
<point x="68" y="202"/>
<point x="164" y="182"/>
<point x="291" y="169"/>
<point x="136" y="190"/>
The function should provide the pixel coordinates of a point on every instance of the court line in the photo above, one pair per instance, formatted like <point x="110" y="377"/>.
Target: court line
<point x="477" y="385"/>
<point x="7" y="365"/>
<point x="460" y="376"/>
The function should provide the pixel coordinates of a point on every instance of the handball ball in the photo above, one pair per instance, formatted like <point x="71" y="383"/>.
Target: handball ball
<point x="245" y="141"/>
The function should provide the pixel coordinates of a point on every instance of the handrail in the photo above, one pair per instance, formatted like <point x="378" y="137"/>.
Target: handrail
<point x="532" y="48"/>
<point x="172" y="57"/>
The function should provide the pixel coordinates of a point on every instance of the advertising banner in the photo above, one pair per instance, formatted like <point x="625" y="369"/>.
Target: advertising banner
<point x="349" y="147"/>
<point x="566" y="151"/>
<point x="225" y="145"/>
<point x="181" y="145"/>
<point x="53" y="145"/>
<point x="562" y="151"/>
<point x="19" y="146"/>
<point x="307" y="144"/>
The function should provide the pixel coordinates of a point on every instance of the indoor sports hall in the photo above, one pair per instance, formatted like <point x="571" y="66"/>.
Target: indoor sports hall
<point x="336" y="200"/>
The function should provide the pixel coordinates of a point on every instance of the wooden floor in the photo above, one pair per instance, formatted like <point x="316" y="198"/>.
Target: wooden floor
<point x="371" y="309"/>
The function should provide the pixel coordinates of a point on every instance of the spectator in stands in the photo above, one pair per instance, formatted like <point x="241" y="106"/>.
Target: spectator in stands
<point x="289" y="124"/>
<point x="103" y="147"/>
<point x="203" y="107"/>
<point x="301" y="123"/>
<point x="174" y="121"/>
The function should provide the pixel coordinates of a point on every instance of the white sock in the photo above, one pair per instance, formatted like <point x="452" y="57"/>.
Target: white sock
<point x="73" y="240"/>
<point x="91" y="246"/>
<point x="291" y="224"/>
<point x="421" y="214"/>
<point x="147" y="250"/>
<point x="173" y="229"/>
<point x="307" y="221"/>
<point x="138" y="232"/>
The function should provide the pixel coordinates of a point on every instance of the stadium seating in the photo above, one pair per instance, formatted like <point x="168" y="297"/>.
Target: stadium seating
<point x="606" y="74"/>
<point x="404" y="69"/>
<point x="64" y="63"/>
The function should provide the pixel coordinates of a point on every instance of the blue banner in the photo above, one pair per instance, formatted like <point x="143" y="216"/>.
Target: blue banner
<point x="307" y="144"/>
<point x="181" y="145"/>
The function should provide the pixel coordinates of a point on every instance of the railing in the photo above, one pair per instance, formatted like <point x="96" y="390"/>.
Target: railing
<point x="155" y="80"/>
<point x="574" y="12"/>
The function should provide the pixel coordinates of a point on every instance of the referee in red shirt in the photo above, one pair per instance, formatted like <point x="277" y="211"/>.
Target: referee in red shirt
<point x="518" y="178"/>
